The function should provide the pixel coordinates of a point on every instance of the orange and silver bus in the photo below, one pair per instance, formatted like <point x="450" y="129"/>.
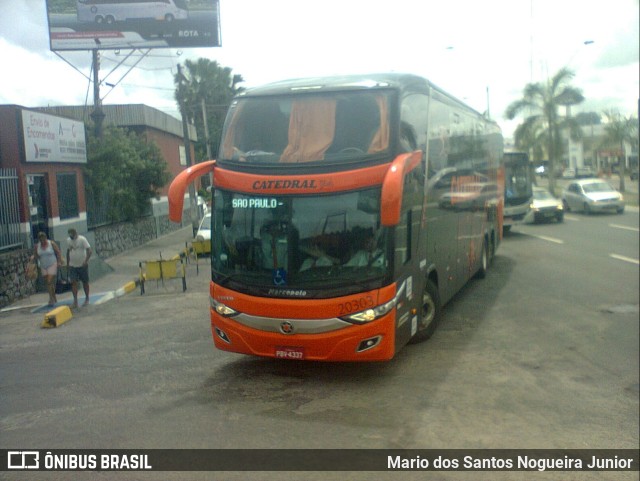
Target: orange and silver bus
<point x="346" y="212"/>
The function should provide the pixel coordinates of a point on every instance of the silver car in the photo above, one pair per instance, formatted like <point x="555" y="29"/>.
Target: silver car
<point x="592" y="195"/>
<point x="544" y="207"/>
<point x="204" y="230"/>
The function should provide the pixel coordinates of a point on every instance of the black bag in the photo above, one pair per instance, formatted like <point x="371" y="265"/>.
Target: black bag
<point x="62" y="285"/>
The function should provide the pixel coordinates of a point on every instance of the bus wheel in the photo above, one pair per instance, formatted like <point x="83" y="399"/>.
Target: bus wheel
<point x="429" y="314"/>
<point x="484" y="261"/>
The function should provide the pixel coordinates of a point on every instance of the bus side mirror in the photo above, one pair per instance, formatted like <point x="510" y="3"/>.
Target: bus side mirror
<point x="393" y="186"/>
<point x="179" y="186"/>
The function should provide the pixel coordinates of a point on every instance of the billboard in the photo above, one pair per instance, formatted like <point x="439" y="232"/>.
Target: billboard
<point x="49" y="138"/>
<point x="130" y="24"/>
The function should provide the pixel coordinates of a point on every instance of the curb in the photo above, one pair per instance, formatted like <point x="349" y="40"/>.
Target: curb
<point x="126" y="289"/>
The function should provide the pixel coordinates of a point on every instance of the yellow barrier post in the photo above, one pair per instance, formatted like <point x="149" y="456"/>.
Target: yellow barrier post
<point x="56" y="317"/>
<point x="162" y="269"/>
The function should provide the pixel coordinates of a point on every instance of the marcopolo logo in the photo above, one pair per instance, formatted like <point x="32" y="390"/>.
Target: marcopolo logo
<point x="23" y="460"/>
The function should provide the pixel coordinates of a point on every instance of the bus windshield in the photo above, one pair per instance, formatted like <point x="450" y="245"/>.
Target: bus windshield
<point x="517" y="179"/>
<point x="312" y="243"/>
<point x="306" y="127"/>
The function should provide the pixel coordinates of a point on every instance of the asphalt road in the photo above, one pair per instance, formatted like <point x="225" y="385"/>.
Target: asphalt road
<point x="543" y="353"/>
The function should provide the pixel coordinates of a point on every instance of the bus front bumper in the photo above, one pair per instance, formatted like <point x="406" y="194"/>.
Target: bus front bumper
<point x="374" y="341"/>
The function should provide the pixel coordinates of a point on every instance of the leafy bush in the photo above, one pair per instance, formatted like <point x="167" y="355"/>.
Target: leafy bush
<point x="129" y="170"/>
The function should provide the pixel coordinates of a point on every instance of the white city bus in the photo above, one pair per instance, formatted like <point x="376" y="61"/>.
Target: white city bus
<point x="518" y="185"/>
<point x="110" y="11"/>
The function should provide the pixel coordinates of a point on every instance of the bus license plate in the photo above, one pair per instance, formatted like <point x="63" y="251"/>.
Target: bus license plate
<point x="284" y="352"/>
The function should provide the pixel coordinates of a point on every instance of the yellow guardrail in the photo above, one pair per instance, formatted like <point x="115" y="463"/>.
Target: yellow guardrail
<point x="161" y="269"/>
<point x="196" y="248"/>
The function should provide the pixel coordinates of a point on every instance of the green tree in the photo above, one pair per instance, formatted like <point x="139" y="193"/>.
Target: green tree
<point x="125" y="169"/>
<point x="543" y="124"/>
<point x="204" y="91"/>
<point x="618" y="131"/>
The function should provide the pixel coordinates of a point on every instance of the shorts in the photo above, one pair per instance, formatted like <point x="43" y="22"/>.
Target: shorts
<point x="52" y="270"/>
<point x="79" y="274"/>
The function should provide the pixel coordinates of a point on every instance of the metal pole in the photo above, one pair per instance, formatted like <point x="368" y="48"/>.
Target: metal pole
<point x="97" y="115"/>
<point x="206" y="128"/>
<point x="187" y="147"/>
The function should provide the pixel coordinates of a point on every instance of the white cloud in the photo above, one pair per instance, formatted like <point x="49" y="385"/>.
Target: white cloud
<point x="463" y="46"/>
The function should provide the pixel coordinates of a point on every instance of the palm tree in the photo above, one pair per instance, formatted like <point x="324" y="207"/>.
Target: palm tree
<point x="204" y="91"/>
<point x="618" y="131"/>
<point x="543" y="124"/>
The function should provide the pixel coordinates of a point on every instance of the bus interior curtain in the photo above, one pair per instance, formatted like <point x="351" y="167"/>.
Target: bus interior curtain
<point x="311" y="130"/>
<point x="380" y="140"/>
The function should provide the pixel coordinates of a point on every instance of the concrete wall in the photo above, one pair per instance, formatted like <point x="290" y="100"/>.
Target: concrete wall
<point x="106" y="241"/>
<point x="114" y="239"/>
<point x="13" y="283"/>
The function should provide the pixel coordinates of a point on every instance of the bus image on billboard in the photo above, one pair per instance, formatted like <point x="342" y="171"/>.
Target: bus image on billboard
<point x="346" y="212"/>
<point x="132" y="24"/>
<point x="110" y="11"/>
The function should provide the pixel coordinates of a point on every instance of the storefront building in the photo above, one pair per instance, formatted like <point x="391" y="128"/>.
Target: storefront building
<point x="41" y="158"/>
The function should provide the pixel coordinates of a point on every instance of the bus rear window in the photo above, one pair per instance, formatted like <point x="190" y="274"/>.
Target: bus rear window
<point x="306" y="128"/>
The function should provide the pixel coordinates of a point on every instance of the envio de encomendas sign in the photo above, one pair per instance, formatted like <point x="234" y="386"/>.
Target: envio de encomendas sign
<point x="49" y="138"/>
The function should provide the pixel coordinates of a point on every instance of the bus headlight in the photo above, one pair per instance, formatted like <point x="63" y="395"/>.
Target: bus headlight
<point x="370" y="314"/>
<point x="222" y="309"/>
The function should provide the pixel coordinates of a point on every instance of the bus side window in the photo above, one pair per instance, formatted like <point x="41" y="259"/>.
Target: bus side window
<point x="403" y="239"/>
<point x="413" y="123"/>
<point x="412" y="195"/>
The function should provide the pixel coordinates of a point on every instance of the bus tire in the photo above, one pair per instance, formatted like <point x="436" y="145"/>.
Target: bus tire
<point x="484" y="261"/>
<point x="429" y="313"/>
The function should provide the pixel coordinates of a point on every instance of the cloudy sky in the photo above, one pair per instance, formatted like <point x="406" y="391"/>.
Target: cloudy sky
<point x="467" y="47"/>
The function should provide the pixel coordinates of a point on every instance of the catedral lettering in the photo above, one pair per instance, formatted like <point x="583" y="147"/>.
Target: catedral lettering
<point x="346" y="212"/>
<point x="284" y="184"/>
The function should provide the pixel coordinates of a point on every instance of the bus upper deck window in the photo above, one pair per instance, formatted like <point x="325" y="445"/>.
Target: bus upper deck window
<point x="306" y="128"/>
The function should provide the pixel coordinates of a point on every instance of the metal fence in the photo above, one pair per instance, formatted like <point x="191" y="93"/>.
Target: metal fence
<point x="98" y="209"/>
<point x="9" y="210"/>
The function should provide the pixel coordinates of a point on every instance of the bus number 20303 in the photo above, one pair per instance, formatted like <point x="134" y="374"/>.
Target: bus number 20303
<point x="355" y="305"/>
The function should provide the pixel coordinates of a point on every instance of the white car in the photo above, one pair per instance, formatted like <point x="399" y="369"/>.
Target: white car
<point x="204" y="230"/>
<point x="592" y="195"/>
<point x="544" y="207"/>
